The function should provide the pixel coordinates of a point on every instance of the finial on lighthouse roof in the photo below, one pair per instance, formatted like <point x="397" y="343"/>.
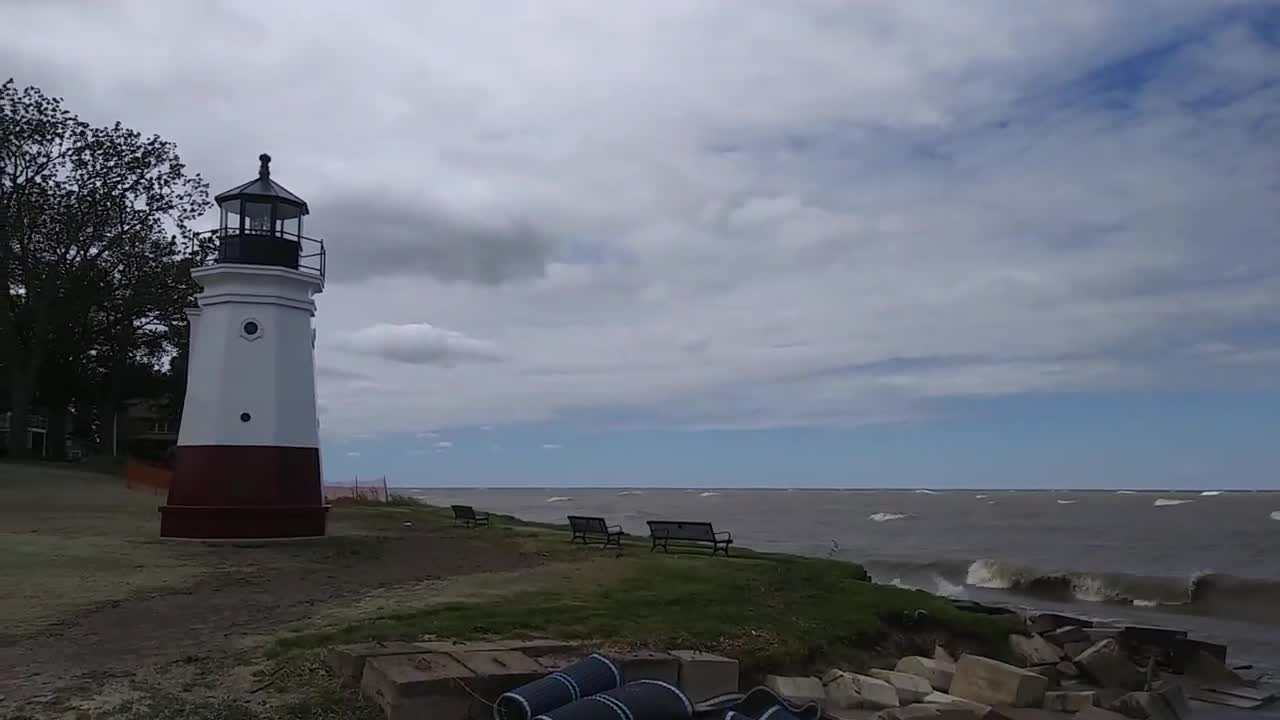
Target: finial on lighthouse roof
<point x="264" y="170"/>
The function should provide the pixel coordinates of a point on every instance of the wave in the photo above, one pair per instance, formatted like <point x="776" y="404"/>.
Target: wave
<point x="1203" y="593"/>
<point x="631" y="492"/>
<point x="708" y="494"/>
<point x="1210" y="493"/>
<point x="981" y="497"/>
<point x="886" y="517"/>
<point x="558" y="498"/>
<point x="1275" y="515"/>
<point x="1126" y="492"/>
<point x="925" y="492"/>
<point x="1066" y="502"/>
<point x="1169" y="502"/>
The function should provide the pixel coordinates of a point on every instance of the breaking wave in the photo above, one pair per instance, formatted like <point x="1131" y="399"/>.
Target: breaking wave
<point x="1275" y="515"/>
<point x="1210" y="493"/>
<point x="1169" y="502"/>
<point x="886" y="517"/>
<point x="707" y="494"/>
<point x="1205" y="593"/>
<point x="631" y="492"/>
<point x="1066" y="502"/>
<point x="558" y="498"/>
<point x="1126" y="492"/>
<point x="925" y="492"/>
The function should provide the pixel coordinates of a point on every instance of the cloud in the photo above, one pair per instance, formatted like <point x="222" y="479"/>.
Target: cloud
<point x="419" y="344"/>
<point x="444" y="444"/>
<point x="552" y="446"/>
<point x="652" y="223"/>
<point x="415" y="452"/>
<point x="353" y="453"/>
<point x="427" y="435"/>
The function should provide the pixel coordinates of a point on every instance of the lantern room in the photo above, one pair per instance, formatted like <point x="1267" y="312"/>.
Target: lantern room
<point x="261" y="222"/>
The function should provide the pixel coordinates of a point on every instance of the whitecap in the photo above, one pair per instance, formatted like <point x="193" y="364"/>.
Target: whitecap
<point x="990" y="574"/>
<point x="558" y="498"/>
<point x="991" y="502"/>
<point x="946" y="588"/>
<point x="925" y="492"/>
<point x="1138" y="602"/>
<point x="886" y="517"/>
<point x="631" y="492"/>
<point x="1275" y="515"/>
<point x="708" y="494"/>
<point x="1210" y="493"/>
<point x="1066" y="502"/>
<point x="1126" y="492"/>
<point x="1169" y="502"/>
<point x="982" y="497"/>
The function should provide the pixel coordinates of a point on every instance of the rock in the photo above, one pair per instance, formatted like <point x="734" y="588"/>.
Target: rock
<point x="703" y="675"/>
<point x="1099" y="633"/>
<point x="1074" y="649"/>
<point x="851" y="713"/>
<point x="910" y="688"/>
<point x="500" y="670"/>
<point x="1048" y="622"/>
<point x="1067" y="634"/>
<point x="798" y="690"/>
<point x="1108" y="667"/>
<point x="928" y="711"/>
<point x="1094" y="712"/>
<point x="452" y="646"/>
<point x="1069" y="701"/>
<point x="1048" y="672"/>
<point x="1175" y="698"/>
<point x="995" y="683"/>
<point x="537" y="647"/>
<point x="1033" y="650"/>
<point x="1067" y="669"/>
<point x="348" y="661"/>
<point x="1143" y="706"/>
<point x="850" y="690"/>
<point x="407" y="687"/>
<point x="937" y="672"/>
<point x="1209" y="669"/>
<point x="647" y="665"/>
<point x="976" y="709"/>
<point x="941" y="655"/>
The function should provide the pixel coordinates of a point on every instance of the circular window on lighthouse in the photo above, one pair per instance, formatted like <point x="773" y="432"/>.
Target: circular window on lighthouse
<point x="250" y="329"/>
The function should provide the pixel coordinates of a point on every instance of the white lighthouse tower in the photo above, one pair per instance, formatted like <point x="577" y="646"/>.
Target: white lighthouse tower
<point x="248" y="459"/>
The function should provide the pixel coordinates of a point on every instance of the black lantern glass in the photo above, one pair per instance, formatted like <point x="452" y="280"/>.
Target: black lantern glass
<point x="261" y="222"/>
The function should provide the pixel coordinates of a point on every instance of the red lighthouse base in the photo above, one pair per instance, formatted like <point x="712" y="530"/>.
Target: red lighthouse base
<point x="226" y="492"/>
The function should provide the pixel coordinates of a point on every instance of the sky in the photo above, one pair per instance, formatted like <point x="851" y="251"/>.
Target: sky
<point x="744" y="242"/>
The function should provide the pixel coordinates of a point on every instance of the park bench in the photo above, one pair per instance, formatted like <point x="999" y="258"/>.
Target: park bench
<point x="594" y="529"/>
<point x="467" y="516"/>
<point x="687" y="534"/>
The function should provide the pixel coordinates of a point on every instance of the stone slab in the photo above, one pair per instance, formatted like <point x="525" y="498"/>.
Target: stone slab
<point x="1069" y="700"/>
<point x="450" y="646"/>
<point x="992" y="682"/>
<point x="977" y="709"/>
<point x="910" y="688"/>
<point x="537" y="647"/>
<point x="414" y="686"/>
<point x="799" y="690"/>
<point x="1048" y="622"/>
<point x="938" y="673"/>
<point x="498" y="671"/>
<point x="703" y="675"/>
<point x="1094" y="712"/>
<point x="647" y="665"/>
<point x="1074" y="649"/>
<point x="1108" y="666"/>
<point x="1033" y="650"/>
<point x="1067" y="634"/>
<point x="348" y="661"/>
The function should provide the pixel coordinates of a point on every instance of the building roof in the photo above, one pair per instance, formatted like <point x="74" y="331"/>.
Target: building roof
<point x="263" y="187"/>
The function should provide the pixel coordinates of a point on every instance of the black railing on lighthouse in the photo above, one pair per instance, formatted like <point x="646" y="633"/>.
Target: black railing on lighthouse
<point x="275" y="248"/>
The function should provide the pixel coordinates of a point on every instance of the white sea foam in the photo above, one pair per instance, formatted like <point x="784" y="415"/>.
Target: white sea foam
<point x="1066" y="502"/>
<point x="1169" y="502"/>
<point x="558" y="498"/>
<point x="1126" y="492"/>
<point x="1145" y="603"/>
<point x="1275" y="515"/>
<point x="982" y="497"/>
<point x="989" y="574"/>
<point x="1210" y="493"/>
<point x="991" y="502"/>
<point x="926" y="492"/>
<point x="886" y="517"/>
<point x="631" y="492"/>
<point x="708" y="494"/>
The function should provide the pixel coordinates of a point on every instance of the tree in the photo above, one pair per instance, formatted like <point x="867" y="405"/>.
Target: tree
<point x="90" y="258"/>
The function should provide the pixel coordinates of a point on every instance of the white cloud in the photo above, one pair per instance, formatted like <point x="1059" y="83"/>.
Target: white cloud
<point x="552" y="446"/>
<point x="428" y="435"/>
<point x="444" y="444"/>
<point x="643" y="215"/>
<point x="353" y="453"/>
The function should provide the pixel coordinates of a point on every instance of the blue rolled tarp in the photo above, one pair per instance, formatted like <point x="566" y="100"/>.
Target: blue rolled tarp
<point x="639" y="700"/>
<point x="764" y="704"/>
<point x="589" y="676"/>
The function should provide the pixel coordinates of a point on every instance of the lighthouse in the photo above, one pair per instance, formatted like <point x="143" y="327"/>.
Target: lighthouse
<point x="247" y="463"/>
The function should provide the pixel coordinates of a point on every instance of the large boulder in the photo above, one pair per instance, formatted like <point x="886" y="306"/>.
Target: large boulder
<point x="1033" y="650"/>
<point x="910" y="688"/>
<point x="941" y="699"/>
<point x="939" y="673"/>
<point x="995" y="683"/>
<point x="1067" y="634"/>
<point x="1048" y="622"/>
<point x="1106" y="665"/>
<point x="851" y="690"/>
<point x="1094" y="712"/>
<point x="703" y="675"/>
<point x="1069" y="701"/>
<point x="798" y="690"/>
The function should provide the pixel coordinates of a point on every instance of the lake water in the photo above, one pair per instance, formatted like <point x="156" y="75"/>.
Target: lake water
<point x="1206" y="563"/>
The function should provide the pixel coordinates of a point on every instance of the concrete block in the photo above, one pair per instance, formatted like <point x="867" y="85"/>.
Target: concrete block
<point x="1073" y="649"/>
<point x="938" y="673"/>
<point x="1098" y="634"/>
<point x="703" y="675"/>
<point x="1048" y="672"/>
<point x="538" y="647"/>
<point x="941" y="655"/>
<point x="498" y="671"/>
<point x="995" y="683"/>
<point x="449" y="646"/>
<point x="926" y="711"/>
<point x="1067" y="634"/>
<point x="1033" y="650"/>
<point x="1109" y="667"/>
<point x="841" y="692"/>
<point x="647" y="665"/>
<point x="1209" y="669"/>
<point x="1094" y="712"/>
<point x="1048" y="622"/>
<point x="799" y="690"/>
<point x="852" y="714"/>
<point x="910" y="688"/>
<point x="1067" y="670"/>
<point x="876" y="693"/>
<point x="977" y="709"/>
<point x="1144" y="706"/>
<point x="1186" y="650"/>
<point x="1069" y="701"/>
<point x="348" y="661"/>
<point x="407" y="687"/>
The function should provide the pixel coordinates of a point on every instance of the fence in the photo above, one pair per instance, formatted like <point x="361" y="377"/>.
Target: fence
<point x="374" y="490"/>
<point x="147" y="476"/>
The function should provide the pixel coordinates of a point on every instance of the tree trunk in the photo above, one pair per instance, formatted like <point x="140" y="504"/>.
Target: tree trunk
<point x="55" y="439"/>
<point x="20" y="410"/>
